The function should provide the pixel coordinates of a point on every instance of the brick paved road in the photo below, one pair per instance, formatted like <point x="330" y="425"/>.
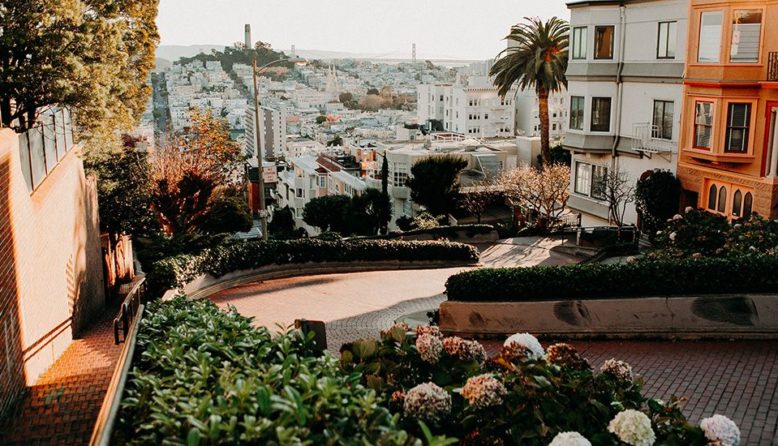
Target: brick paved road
<point x="62" y="406"/>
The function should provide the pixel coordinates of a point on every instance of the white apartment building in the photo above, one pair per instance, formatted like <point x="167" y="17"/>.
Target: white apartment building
<point x="273" y="128"/>
<point x="625" y="92"/>
<point x="488" y="157"/>
<point x="528" y="114"/>
<point x="470" y="106"/>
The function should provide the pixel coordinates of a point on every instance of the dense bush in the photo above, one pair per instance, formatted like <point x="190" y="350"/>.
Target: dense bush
<point x="656" y="198"/>
<point x="205" y="376"/>
<point x="177" y="270"/>
<point x="524" y="396"/>
<point x="698" y="233"/>
<point x="452" y="231"/>
<point x="651" y="277"/>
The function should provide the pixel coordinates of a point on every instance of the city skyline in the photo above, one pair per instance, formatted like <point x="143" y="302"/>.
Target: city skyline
<point x="441" y="29"/>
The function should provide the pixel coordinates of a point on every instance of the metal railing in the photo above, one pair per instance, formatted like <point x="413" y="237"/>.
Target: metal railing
<point x="128" y="311"/>
<point x="647" y="137"/>
<point x="772" y="66"/>
<point x="128" y="319"/>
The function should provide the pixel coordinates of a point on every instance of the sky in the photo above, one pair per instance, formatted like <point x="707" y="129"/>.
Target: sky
<point x="457" y="29"/>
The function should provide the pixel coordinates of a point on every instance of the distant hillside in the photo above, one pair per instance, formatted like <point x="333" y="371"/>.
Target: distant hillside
<point x="162" y="64"/>
<point x="174" y="52"/>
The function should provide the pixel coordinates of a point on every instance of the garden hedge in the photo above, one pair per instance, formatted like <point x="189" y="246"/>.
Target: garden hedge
<point x="661" y="277"/>
<point x="178" y="270"/>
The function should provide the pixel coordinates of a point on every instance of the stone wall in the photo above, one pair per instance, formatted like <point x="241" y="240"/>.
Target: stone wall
<point x="50" y="264"/>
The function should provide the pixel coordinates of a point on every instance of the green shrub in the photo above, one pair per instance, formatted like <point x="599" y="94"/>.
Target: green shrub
<point x="530" y="398"/>
<point x="201" y="375"/>
<point x="698" y="233"/>
<point x="218" y="261"/>
<point x="452" y="231"/>
<point x="651" y="277"/>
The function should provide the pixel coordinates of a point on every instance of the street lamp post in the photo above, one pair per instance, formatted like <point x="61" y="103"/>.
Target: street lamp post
<point x="259" y="140"/>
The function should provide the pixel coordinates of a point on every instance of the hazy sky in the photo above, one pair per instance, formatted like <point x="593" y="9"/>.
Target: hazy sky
<point x="463" y="29"/>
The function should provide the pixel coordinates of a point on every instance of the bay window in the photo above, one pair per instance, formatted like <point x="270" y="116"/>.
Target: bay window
<point x="738" y="122"/>
<point x="746" y="36"/>
<point x="590" y="180"/>
<point x="603" y="42"/>
<point x="579" y="42"/>
<point x="709" y="47"/>
<point x="703" y="125"/>
<point x="576" y="112"/>
<point x="601" y="114"/>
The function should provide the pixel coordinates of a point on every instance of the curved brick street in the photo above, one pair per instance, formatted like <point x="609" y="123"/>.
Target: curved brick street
<point x="737" y="379"/>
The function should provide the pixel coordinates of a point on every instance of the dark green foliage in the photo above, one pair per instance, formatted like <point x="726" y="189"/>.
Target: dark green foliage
<point x="558" y="155"/>
<point x="405" y="223"/>
<point x="544" y="397"/>
<point x="237" y="255"/>
<point x="364" y="214"/>
<point x="123" y="191"/>
<point x="282" y="224"/>
<point x="321" y="119"/>
<point x="328" y="213"/>
<point x="656" y="199"/>
<point x="336" y="141"/>
<point x="452" y="231"/>
<point x="369" y="212"/>
<point x="699" y="233"/>
<point x="659" y="277"/>
<point x="435" y="183"/>
<point x="227" y="214"/>
<point x="205" y="376"/>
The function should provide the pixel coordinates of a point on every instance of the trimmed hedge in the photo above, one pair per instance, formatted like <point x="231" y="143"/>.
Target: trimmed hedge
<point x="178" y="270"/>
<point x="747" y="274"/>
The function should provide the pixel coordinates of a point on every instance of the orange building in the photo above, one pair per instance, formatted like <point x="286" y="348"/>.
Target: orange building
<point x="728" y="158"/>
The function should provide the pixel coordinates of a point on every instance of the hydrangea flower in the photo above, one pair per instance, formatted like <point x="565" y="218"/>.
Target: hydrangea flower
<point x="677" y="217"/>
<point x="427" y="402"/>
<point x="632" y="427"/>
<point x="673" y="235"/>
<point x="463" y="349"/>
<point x="430" y="347"/>
<point x="569" y="439"/>
<point x="721" y="430"/>
<point x="527" y="341"/>
<point x="484" y="391"/>
<point x="428" y="329"/>
<point x="565" y="355"/>
<point x="619" y="369"/>
<point x="688" y="209"/>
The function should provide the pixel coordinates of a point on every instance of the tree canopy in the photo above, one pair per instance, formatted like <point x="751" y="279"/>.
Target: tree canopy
<point x="435" y="183"/>
<point x="538" y="60"/>
<point x="91" y="56"/>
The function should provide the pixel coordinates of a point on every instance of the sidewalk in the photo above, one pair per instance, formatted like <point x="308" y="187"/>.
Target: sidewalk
<point x="62" y="406"/>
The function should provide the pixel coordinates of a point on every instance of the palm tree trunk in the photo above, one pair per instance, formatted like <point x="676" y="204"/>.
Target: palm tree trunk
<point x="545" y="150"/>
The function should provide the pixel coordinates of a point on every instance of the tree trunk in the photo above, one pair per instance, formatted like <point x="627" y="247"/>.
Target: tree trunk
<point x="545" y="150"/>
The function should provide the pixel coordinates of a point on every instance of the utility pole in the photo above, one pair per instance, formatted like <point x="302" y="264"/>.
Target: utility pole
<point x="259" y="143"/>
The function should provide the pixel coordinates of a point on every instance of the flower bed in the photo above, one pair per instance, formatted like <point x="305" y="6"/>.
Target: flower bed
<point x="206" y="376"/>
<point x="178" y="270"/>
<point x="653" y="277"/>
<point x="526" y="395"/>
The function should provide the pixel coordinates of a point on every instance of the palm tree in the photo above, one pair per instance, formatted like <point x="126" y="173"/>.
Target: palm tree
<point x="536" y="57"/>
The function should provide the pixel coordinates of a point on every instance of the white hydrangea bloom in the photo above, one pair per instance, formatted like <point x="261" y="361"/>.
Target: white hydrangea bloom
<point x="430" y="347"/>
<point x="569" y="439"/>
<point x="677" y="217"/>
<point x="619" y="369"/>
<point x="632" y="427"/>
<point x="427" y="402"/>
<point x="688" y="209"/>
<point x="721" y="429"/>
<point x="673" y="235"/>
<point x="529" y="342"/>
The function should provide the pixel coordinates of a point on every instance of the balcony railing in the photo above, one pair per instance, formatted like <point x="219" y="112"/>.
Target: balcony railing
<point x="647" y="138"/>
<point x="772" y="66"/>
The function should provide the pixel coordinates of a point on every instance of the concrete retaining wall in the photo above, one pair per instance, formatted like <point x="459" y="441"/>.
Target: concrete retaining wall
<point x="753" y="316"/>
<point x="206" y="284"/>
